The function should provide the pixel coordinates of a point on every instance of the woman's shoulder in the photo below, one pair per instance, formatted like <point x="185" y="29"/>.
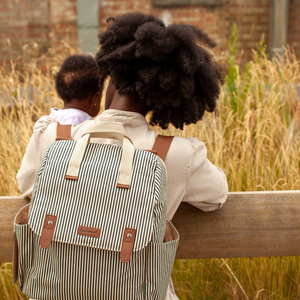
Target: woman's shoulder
<point x="185" y="154"/>
<point x="44" y="133"/>
<point x="43" y="123"/>
<point x="189" y="141"/>
<point x="190" y="146"/>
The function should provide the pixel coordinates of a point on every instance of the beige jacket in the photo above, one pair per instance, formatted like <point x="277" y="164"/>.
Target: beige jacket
<point x="191" y="176"/>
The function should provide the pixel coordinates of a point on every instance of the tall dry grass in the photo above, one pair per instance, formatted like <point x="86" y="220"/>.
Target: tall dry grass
<point x="253" y="137"/>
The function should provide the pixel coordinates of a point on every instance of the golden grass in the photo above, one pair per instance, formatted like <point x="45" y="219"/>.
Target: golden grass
<point x="253" y="137"/>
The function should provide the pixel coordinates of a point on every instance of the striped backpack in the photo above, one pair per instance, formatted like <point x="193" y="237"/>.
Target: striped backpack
<point x="95" y="226"/>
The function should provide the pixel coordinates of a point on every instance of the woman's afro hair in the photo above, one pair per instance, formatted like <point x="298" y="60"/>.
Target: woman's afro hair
<point x="169" y="68"/>
<point x="78" y="78"/>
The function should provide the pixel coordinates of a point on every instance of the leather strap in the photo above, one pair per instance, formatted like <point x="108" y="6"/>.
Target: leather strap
<point x="15" y="262"/>
<point x="162" y="145"/>
<point x="47" y="231"/>
<point x="127" y="244"/>
<point x="63" y="132"/>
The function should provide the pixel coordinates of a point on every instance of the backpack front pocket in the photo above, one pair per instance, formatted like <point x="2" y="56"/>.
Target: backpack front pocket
<point x="159" y="267"/>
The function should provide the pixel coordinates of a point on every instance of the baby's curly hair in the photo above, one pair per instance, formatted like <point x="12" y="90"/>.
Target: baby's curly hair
<point x="169" y="69"/>
<point x="78" y="78"/>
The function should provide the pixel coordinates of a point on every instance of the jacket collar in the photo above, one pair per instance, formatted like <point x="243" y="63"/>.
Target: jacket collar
<point x="128" y="118"/>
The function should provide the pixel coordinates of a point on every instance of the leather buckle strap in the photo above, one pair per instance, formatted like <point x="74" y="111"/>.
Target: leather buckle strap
<point x="63" y="132"/>
<point x="48" y="231"/>
<point x="162" y="145"/>
<point x="127" y="244"/>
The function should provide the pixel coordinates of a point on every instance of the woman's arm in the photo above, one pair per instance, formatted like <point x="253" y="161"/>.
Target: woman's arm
<point x="206" y="187"/>
<point x="33" y="156"/>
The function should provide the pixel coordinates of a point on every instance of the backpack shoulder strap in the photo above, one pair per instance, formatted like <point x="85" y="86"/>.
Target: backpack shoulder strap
<point x="162" y="145"/>
<point x="63" y="132"/>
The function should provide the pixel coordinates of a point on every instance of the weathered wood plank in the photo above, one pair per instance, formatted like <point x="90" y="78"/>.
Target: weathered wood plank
<point x="9" y="206"/>
<point x="249" y="224"/>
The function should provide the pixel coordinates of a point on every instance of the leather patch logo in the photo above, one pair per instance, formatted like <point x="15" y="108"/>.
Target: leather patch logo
<point x="89" y="231"/>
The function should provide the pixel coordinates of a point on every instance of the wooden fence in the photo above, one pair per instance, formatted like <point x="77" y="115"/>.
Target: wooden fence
<point x="250" y="224"/>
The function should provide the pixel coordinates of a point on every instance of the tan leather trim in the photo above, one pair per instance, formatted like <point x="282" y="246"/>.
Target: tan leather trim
<point x="152" y="151"/>
<point x="15" y="260"/>
<point x="162" y="145"/>
<point x="22" y="216"/>
<point x="170" y="234"/>
<point x="48" y="230"/>
<point x="123" y="186"/>
<point x="63" y="132"/>
<point x="71" y="177"/>
<point x="20" y="219"/>
<point x="127" y="244"/>
<point x="89" y="231"/>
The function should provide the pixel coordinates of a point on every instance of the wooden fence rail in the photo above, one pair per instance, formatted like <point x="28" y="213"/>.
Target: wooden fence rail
<point x="250" y="224"/>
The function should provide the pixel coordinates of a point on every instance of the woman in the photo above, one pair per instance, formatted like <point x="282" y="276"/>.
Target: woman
<point x="165" y="71"/>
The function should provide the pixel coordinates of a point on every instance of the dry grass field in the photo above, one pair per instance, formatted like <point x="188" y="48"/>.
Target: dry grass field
<point x="253" y="136"/>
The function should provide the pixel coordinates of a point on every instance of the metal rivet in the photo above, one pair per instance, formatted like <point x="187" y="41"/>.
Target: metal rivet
<point x="50" y="222"/>
<point x="129" y="235"/>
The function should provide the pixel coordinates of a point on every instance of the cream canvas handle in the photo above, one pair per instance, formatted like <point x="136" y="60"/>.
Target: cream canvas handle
<point x="110" y="130"/>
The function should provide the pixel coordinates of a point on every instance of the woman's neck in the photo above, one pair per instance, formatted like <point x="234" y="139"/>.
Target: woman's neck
<point x="127" y="103"/>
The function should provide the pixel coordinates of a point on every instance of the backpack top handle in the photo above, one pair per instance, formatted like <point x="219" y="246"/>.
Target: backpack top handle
<point x="112" y="130"/>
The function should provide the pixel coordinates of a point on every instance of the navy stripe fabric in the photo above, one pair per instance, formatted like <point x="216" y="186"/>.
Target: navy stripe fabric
<point x="69" y="272"/>
<point x="94" y="200"/>
<point x="82" y="267"/>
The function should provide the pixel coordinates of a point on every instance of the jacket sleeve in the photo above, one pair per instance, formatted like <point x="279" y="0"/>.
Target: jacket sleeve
<point x="206" y="187"/>
<point x="33" y="156"/>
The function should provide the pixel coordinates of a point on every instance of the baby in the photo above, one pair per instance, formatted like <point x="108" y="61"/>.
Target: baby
<point x="77" y="84"/>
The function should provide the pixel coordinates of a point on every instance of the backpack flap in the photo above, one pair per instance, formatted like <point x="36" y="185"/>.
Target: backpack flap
<point x="93" y="211"/>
